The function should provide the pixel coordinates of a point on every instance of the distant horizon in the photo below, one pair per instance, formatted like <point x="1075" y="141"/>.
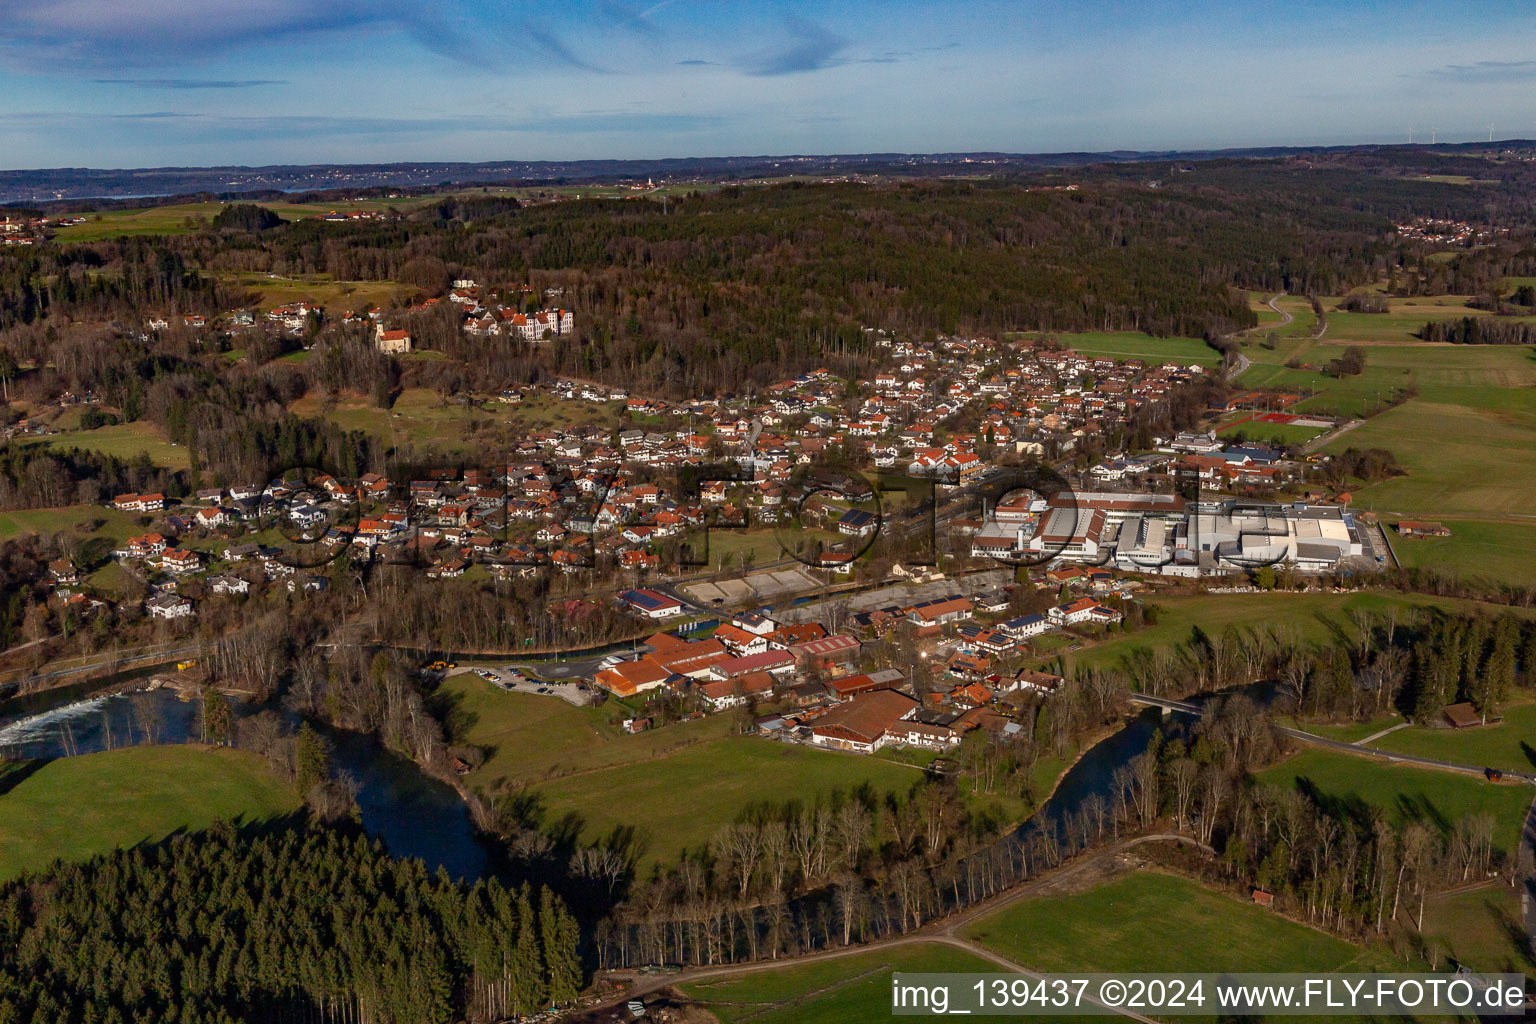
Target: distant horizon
<point x="1121" y="154"/>
<point x="201" y="83"/>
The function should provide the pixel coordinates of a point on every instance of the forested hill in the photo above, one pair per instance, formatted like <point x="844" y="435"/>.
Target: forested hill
<point x="312" y="924"/>
<point x="744" y="285"/>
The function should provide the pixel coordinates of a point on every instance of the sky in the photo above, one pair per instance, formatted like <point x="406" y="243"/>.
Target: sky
<point x="137" y="83"/>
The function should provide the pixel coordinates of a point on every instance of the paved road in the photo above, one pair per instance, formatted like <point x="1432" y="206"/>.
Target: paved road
<point x="1240" y="367"/>
<point x="1351" y="748"/>
<point x="943" y="931"/>
<point x="116" y="661"/>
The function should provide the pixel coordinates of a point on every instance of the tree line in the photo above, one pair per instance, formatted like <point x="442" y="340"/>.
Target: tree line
<point x="308" y="923"/>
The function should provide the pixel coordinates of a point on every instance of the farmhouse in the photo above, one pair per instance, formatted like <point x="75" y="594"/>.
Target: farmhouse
<point x="631" y="677"/>
<point x="728" y="693"/>
<point x="863" y="723"/>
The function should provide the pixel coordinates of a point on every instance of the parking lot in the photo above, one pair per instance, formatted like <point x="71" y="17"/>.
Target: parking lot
<point x="512" y="679"/>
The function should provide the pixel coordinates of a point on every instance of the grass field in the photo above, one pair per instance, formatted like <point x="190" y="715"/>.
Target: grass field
<point x="843" y="990"/>
<point x="681" y="800"/>
<point x="420" y="417"/>
<point x="1357" y="784"/>
<point x="1149" y="921"/>
<point x="1281" y="433"/>
<point x="318" y="289"/>
<point x="1481" y="929"/>
<point x="1510" y="744"/>
<point x="1351" y="732"/>
<point x="1476" y="548"/>
<point x="125" y="441"/>
<point x="1458" y="460"/>
<point x="1314" y="617"/>
<point x="118" y="526"/>
<point x="1132" y="345"/>
<point x="184" y="218"/>
<point x="677" y="784"/>
<point x="76" y="807"/>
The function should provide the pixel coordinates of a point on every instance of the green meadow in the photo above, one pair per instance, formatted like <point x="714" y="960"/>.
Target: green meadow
<point x="76" y="807"/>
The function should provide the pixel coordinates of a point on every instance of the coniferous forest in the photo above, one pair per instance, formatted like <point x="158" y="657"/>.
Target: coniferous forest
<point x="310" y="924"/>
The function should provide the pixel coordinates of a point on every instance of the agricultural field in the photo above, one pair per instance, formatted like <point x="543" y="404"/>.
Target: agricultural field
<point x="125" y="441"/>
<point x="1507" y="744"/>
<point x="1501" y="549"/>
<point x="1467" y="442"/>
<point x="681" y="800"/>
<point x="1150" y="921"/>
<point x="1403" y="321"/>
<point x="1361" y="785"/>
<point x="76" y="807"/>
<point x="848" y="989"/>
<point x="187" y="218"/>
<point x="1459" y="460"/>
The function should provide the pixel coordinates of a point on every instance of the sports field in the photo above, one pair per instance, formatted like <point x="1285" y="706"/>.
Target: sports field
<point x="1360" y="785"/>
<point x="76" y="807"/>
<point x="1150" y="921"/>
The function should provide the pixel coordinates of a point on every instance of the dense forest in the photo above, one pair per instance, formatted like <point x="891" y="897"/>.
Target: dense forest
<point x="744" y="284"/>
<point x="309" y="924"/>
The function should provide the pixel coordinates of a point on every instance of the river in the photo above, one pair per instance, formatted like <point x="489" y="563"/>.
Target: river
<point x="414" y="814"/>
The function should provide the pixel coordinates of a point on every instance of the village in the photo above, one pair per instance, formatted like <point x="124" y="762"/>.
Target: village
<point x="812" y="488"/>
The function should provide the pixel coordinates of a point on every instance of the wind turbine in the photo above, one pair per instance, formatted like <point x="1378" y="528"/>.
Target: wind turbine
<point x="1410" y="135"/>
<point x="1490" y="131"/>
<point x="1433" y="134"/>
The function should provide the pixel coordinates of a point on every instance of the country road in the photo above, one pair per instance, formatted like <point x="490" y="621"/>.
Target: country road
<point x="1240" y="366"/>
<point x="1349" y="748"/>
<point x="1332" y="435"/>
<point x="943" y="931"/>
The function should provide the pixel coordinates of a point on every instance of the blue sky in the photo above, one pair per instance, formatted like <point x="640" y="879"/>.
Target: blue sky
<point x="121" y="83"/>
